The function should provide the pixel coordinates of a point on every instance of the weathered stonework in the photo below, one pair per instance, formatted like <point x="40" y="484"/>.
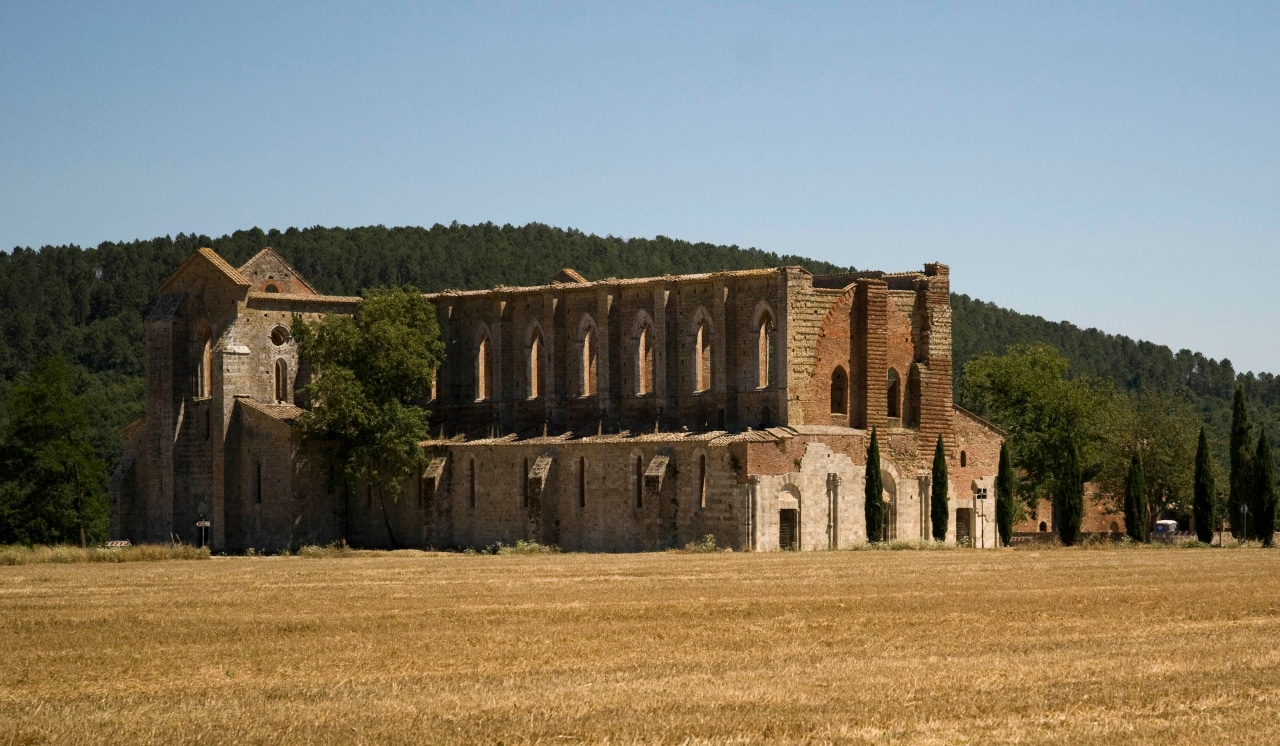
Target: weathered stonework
<point x="617" y="415"/>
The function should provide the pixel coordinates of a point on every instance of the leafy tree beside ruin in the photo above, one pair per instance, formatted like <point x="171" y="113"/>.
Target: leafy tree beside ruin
<point x="1026" y="392"/>
<point x="52" y="484"/>
<point x="370" y="374"/>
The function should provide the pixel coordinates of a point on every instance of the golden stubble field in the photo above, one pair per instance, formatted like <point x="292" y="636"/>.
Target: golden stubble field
<point x="1056" y="646"/>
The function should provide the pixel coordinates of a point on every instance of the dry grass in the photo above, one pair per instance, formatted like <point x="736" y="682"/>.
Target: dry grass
<point x="13" y="554"/>
<point x="1056" y="646"/>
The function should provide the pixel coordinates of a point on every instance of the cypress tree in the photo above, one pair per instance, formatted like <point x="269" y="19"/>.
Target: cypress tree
<point x="938" y="494"/>
<point x="1069" y="497"/>
<point x="1204" y="505"/>
<point x="1004" y="496"/>
<point x="1135" y="501"/>
<point x="874" y="497"/>
<point x="1241" y="467"/>
<point x="1264" y="491"/>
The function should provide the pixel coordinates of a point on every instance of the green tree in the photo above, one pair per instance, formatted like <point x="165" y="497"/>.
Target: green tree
<point x="873" y="503"/>
<point x="1241" y="480"/>
<point x="938" y="509"/>
<point x="370" y="373"/>
<point x="1205" y="504"/>
<point x="1025" y="391"/>
<point x="54" y="488"/>
<point x="1162" y="429"/>
<point x="1135" y="501"/>
<point x="1264" y="491"/>
<point x="1006" y="500"/>
<point x="1068" y="504"/>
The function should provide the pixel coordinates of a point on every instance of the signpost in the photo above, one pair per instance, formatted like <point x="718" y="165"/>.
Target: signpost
<point x="203" y="526"/>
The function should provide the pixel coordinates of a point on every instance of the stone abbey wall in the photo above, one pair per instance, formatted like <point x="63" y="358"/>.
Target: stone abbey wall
<point x="616" y="415"/>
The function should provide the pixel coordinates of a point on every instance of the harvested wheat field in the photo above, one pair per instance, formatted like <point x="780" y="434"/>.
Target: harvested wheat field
<point x="1055" y="646"/>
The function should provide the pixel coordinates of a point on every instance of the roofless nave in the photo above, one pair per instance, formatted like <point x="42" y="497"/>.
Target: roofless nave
<point x="616" y="415"/>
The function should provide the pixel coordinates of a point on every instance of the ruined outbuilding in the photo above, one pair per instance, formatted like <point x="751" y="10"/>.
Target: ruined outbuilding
<point x="610" y="415"/>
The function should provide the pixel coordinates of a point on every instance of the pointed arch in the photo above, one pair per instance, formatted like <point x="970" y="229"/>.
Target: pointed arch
<point x="765" y="330"/>
<point x="702" y="340"/>
<point x="642" y="346"/>
<point x="588" y="341"/>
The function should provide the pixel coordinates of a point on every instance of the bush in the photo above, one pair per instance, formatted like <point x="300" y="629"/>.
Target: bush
<point x="525" y="547"/>
<point x="336" y="549"/>
<point x="705" y="544"/>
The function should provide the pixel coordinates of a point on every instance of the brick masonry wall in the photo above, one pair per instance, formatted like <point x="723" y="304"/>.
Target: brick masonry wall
<point x="1098" y="515"/>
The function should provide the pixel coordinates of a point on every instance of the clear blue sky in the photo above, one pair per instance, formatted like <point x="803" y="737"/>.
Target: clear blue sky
<point x="1116" y="165"/>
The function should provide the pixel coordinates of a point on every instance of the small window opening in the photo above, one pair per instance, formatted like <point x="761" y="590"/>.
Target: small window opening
<point x="839" y="391"/>
<point x="535" y="365"/>
<point x="589" y="363"/>
<point x="482" y="369"/>
<point x="895" y="394"/>
<point x="1043" y="527"/>
<point x="471" y="490"/>
<point x="644" y="361"/>
<point x="282" y="381"/>
<point x="524" y="486"/>
<point x="582" y="482"/>
<point x="257" y="482"/>
<point x="964" y="459"/>
<point x="764" y="352"/>
<point x="702" y="481"/>
<point x="204" y="368"/>
<point x="702" y="358"/>
<point x="639" y="481"/>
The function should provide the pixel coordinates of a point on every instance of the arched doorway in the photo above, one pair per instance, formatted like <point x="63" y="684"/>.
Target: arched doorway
<point x="789" y="519"/>
<point x="891" y="506"/>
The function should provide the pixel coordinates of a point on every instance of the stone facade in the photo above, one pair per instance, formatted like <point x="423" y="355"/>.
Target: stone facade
<point x="617" y="415"/>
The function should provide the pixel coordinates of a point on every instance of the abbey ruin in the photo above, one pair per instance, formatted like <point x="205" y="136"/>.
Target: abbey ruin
<point x="611" y="415"/>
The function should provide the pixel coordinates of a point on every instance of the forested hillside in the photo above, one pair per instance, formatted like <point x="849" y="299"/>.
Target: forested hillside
<point x="88" y="304"/>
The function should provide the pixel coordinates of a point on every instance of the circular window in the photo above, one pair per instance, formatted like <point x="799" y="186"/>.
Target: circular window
<point x="279" y="335"/>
